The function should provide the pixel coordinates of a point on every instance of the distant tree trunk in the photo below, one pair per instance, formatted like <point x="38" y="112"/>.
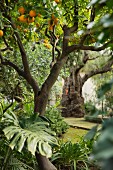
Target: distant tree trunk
<point x="72" y="99"/>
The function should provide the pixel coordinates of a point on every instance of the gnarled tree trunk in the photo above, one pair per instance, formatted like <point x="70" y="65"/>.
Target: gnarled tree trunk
<point x="72" y="100"/>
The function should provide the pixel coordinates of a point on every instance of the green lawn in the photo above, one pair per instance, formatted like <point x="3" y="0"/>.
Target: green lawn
<point x="74" y="133"/>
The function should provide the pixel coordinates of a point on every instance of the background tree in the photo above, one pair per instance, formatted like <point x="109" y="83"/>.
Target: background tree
<point x="23" y="23"/>
<point x="84" y="67"/>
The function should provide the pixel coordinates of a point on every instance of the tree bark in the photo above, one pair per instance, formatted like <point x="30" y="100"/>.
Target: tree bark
<point x="72" y="100"/>
<point x="40" y="102"/>
<point x="44" y="163"/>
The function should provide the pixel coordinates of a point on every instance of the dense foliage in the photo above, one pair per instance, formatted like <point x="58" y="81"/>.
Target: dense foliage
<point x="57" y="123"/>
<point x="35" y="41"/>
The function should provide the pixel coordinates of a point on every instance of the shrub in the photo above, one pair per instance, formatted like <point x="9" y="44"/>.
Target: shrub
<point x="73" y="156"/>
<point x="90" y="108"/>
<point x="57" y="121"/>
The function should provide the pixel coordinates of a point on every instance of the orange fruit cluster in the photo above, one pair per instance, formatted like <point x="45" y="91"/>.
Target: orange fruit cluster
<point x="53" y="21"/>
<point x="29" y="18"/>
<point x="1" y="33"/>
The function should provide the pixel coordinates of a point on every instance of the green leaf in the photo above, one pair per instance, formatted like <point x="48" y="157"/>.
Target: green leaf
<point x="21" y="142"/>
<point x="91" y="134"/>
<point x="47" y="149"/>
<point x="14" y="141"/>
<point x="10" y="131"/>
<point x="41" y="149"/>
<point x="32" y="144"/>
<point x="105" y="88"/>
<point x="34" y="132"/>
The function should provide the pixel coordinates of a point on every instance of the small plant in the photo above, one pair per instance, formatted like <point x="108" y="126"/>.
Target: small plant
<point x="57" y="121"/>
<point x="73" y="156"/>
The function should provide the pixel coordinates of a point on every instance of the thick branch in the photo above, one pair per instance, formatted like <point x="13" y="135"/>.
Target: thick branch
<point x="85" y="47"/>
<point x="42" y="99"/>
<point x="104" y="69"/>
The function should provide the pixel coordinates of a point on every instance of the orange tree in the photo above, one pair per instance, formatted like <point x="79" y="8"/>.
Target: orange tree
<point x="62" y="27"/>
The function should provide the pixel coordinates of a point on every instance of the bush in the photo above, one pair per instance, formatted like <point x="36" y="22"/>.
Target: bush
<point x="57" y="121"/>
<point x="90" y="108"/>
<point x="73" y="156"/>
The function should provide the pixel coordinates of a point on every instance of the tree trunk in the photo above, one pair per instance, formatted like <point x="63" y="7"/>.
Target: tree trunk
<point x="40" y="102"/>
<point x="44" y="163"/>
<point x="72" y="100"/>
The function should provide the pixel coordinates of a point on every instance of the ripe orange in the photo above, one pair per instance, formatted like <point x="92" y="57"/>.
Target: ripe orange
<point x="45" y="41"/>
<point x="48" y="46"/>
<point x="32" y="13"/>
<point x="1" y="33"/>
<point x="25" y="30"/>
<point x="51" y="27"/>
<point x="52" y="16"/>
<point x="30" y="20"/>
<point x="22" y="18"/>
<point x="21" y="10"/>
<point x="55" y="21"/>
<point x="39" y="15"/>
<point x="57" y="1"/>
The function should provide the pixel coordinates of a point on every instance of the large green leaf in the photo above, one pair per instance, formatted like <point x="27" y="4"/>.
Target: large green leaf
<point x="34" y="132"/>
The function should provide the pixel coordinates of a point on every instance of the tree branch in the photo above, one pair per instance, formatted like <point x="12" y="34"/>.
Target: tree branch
<point x="9" y="63"/>
<point x="26" y="71"/>
<point x="30" y="79"/>
<point x="21" y="47"/>
<point x="104" y="69"/>
<point x="92" y="15"/>
<point x="85" y="47"/>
